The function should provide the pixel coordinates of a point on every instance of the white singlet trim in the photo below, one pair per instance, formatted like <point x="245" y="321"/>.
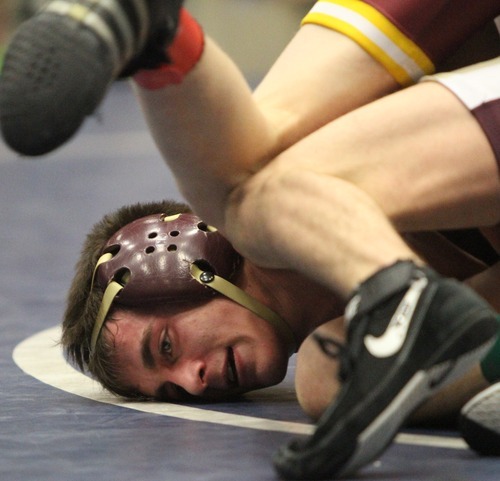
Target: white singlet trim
<point x="474" y="85"/>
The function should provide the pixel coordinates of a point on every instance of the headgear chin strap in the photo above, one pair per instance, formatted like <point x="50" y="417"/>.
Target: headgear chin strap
<point x="176" y="258"/>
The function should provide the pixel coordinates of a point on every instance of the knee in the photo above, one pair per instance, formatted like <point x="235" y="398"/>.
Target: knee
<point x="315" y="379"/>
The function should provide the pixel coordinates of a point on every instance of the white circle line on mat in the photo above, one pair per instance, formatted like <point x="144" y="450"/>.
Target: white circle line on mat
<point x="41" y="357"/>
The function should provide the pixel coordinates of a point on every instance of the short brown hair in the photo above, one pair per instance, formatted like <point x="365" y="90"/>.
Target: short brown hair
<point x="83" y="304"/>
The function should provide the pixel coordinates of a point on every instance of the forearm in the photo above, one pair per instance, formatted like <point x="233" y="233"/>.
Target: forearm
<point x="209" y="131"/>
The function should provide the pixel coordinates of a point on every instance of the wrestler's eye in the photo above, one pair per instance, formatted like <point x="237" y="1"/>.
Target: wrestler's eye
<point x="166" y="346"/>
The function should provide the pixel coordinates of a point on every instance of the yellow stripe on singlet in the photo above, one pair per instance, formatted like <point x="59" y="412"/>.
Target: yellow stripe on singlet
<point x="404" y="59"/>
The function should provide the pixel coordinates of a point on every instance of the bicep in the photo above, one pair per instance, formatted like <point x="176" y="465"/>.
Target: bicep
<point x="321" y="75"/>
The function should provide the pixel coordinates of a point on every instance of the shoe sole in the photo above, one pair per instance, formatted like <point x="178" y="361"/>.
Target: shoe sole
<point x="377" y="436"/>
<point x="55" y="74"/>
<point x="480" y="422"/>
<point x="318" y="461"/>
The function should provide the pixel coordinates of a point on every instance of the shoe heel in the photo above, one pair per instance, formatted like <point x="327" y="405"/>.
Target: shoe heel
<point x="446" y="372"/>
<point x="51" y="80"/>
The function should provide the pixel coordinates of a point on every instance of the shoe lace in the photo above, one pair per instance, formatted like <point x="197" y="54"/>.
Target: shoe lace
<point x="335" y="349"/>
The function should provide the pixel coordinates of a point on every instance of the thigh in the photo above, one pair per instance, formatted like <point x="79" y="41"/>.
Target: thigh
<point x="419" y="153"/>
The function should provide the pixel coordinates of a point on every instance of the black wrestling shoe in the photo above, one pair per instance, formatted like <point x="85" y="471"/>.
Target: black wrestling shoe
<point x="480" y="422"/>
<point x="409" y="332"/>
<point x="61" y="62"/>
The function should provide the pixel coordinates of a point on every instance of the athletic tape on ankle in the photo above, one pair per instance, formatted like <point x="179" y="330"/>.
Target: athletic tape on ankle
<point x="490" y="365"/>
<point x="184" y="53"/>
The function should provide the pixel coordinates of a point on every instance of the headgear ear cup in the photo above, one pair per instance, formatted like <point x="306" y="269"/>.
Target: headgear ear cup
<point x="158" y="252"/>
<point x="177" y="258"/>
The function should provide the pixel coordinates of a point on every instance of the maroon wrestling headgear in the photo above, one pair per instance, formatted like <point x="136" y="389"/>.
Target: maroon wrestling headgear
<point x="175" y="258"/>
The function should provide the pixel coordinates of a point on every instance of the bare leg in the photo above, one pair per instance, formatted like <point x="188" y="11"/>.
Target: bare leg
<point x="330" y="205"/>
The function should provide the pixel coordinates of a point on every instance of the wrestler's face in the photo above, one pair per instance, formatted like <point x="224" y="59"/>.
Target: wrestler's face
<point x="212" y="350"/>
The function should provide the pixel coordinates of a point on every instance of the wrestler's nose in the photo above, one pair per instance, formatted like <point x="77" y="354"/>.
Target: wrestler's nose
<point x="190" y="375"/>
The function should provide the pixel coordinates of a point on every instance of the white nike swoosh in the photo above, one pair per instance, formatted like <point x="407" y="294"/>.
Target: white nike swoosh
<point x="392" y="340"/>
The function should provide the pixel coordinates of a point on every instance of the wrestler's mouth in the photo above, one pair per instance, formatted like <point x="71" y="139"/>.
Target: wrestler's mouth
<point x="232" y="372"/>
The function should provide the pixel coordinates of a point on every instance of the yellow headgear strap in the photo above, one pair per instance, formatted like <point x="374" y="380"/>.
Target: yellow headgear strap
<point x="215" y="282"/>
